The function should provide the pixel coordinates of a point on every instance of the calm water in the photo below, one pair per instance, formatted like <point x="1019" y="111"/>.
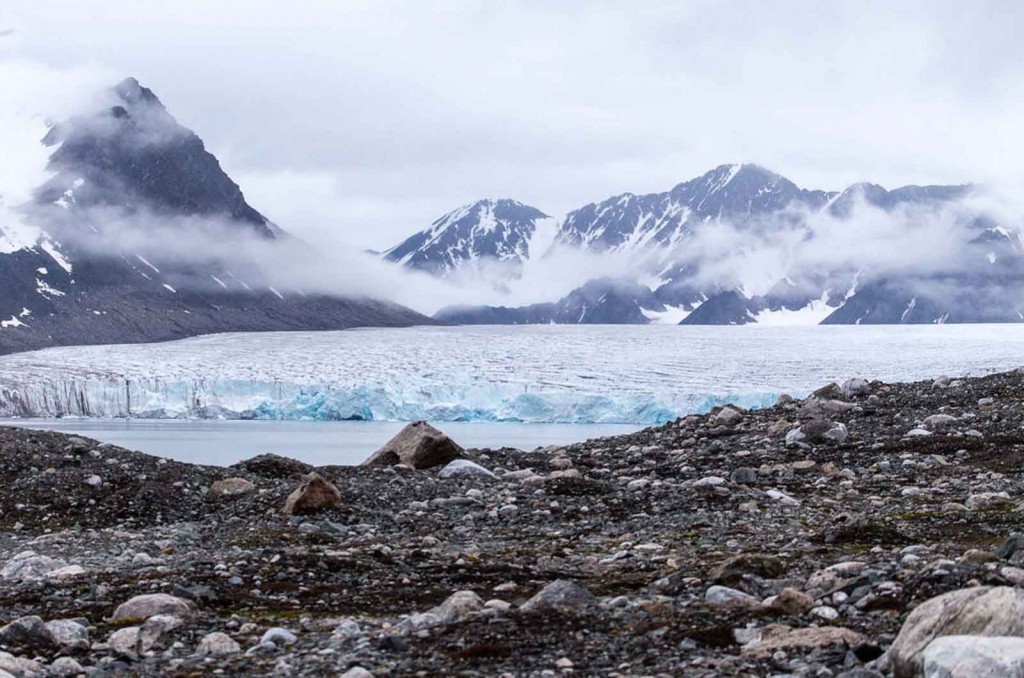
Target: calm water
<point x="315" y="442"/>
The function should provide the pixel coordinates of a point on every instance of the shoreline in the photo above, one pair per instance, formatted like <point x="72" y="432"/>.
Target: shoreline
<point x="719" y="544"/>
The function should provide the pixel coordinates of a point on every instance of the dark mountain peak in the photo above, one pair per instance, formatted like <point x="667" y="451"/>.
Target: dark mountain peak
<point x="132" y="93"/>
<point x="134" y="156"/>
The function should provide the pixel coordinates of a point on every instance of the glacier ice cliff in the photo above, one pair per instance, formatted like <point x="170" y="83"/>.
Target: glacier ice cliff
<point x="236" y="399"/>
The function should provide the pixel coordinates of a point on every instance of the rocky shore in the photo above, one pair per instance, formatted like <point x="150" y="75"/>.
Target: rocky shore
<point x="808" y="539"/>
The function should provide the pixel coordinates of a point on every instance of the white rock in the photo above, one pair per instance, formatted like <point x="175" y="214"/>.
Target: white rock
<point x="723" y="595"/>
<point x="278" y="636"/>
<point x="357" y="672"/>
<point x="825" y="612"/>
<point x="974" y="657"/>
<point x="69" y="634"/>
<point x="217" y="644"/>
<point x="65" y="666"/>
<point x="782" y="498"/>
<point x="29" y="566"/>
<point x="17" y="666"/>
<point x="464" y="468"/>
<point x="149" y="605"/>
<point x="125" y="641"/>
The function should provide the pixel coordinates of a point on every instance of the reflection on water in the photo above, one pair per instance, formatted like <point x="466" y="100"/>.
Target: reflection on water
<point x="317" y="443"/>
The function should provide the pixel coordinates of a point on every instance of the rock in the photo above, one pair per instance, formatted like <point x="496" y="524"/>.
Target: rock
<point x="733" y="569"/>
<point x="278" y="636"/>
<point x="28" y="566"/>
<point x="314" y="494"/>
<point x="818" y="431"/>
<point x="1013" y="544"/>
<point x="778" y="637"/>
<point x="418" y="445"/>
<point x="16" y="667"/>
<point x="273" y="466"/>
<point x="29" y="633"/>
<point x="229" y="488"/>
<point x="790" y="601"/>
<point x="145" y="606"/>
<point x="980" y="611"/>
<point x="728" y="416"/>
<point x="795" y="437"/>
<point x="65" y="666"/>
<point x="974" y="657"/>
<point x="562" y="595"/>
<point x="723" y="595"/>
<point x="827" y="392"/>
<point x="217" y="644"/>
<point x="825" y="612"/>
<point x="708" y="482"/>
<point x="125" y="642"/>
<point x="142" y="560"/>
<point x="744" y="475"/>
<point x="854" y="387"/>
<point x="782" y="498"/>
<point x="458" y="606"/>
<point x="464" y="468"/>
<point x="941" y="382"/>
<point x="69" y="634"/>
<point x="357" y="672"/>
<point x="93" y="481"/>
<point x="987" y="501"/>
<point x="349" y="628"/>
<point x="938" y="421"/>
<point x="824" y="580"/>
<point x="155" y="629"/>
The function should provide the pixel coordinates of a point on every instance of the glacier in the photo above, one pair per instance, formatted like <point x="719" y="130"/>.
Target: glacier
<point x="532" y="374"/>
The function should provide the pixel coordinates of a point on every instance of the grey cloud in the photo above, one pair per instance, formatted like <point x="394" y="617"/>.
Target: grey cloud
<point x="389" y="114"/>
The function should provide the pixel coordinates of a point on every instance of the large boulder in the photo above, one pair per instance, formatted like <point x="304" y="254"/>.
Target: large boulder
<point x="29" y="633"/>
<point x="980" y="611"/>
<point x="974" y="657"/>
<point x="314" y="494"/>
<point x="562" y="595"/>
<point x="152" y="604"/>
<point x="418" y="445"/>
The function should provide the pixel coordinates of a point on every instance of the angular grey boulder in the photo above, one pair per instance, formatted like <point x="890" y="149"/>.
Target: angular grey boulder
<point x="418" y="445"/>
<point x="562" y="595"/>
<point x="981" y="611"/>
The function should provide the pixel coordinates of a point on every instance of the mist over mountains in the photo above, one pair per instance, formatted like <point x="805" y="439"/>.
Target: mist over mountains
<point x="134" y="232"/>
<point x="741" y="244"/>
<point x="139" y="235"/>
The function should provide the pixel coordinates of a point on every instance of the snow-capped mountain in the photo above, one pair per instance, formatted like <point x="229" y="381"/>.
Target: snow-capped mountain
<point x="485" y="231"/>
<point x="96" y="256"/>
<point x="980" y="278"/>
<point x="738" y="194"/>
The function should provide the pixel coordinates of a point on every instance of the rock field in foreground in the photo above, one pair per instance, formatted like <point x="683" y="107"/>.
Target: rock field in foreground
<point x="794" y="540"/>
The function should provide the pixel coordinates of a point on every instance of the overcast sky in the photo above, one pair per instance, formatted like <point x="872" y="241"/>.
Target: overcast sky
<point x="367" y="120"/>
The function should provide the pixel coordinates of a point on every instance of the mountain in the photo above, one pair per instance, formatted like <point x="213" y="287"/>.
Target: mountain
<point x="738" y="194"/>
<point x="96" y="256"/>
<point x="599" y="302"/>
<point x="485" y="231"/>
<point x="684" y="240"/>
